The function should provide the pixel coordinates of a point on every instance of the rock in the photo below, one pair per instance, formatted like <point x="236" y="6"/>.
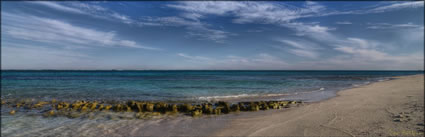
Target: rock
<point x="217" y="111"/>
<point x="196" y="113"/>
<point x="399" y="116"/>
<point x="208" y="110"/>
<point x="161" y="107"/>
<point x="187" y="108"/>
<point x="235" y="108"/>
<point x="40" y="104"/>
<point x="225" y="105"/>
<point x="242" y="106"/>
<point x="76" y="106"/>
<point x="264" y="106"/>
<point x="118" y="108"/>
<point x="100" y="107"/>
<point x="398" y="120"/>
<point x="93" y="105"/>
<point x="127" y="108"/>
<point x="107" y="107"/>
<point x="131" y="103"/>
<point x="12" y="112"/>
<point x="84" y="109"/>
<point x="49" y="113"/>
<point x="254" y="107"/>
<point x="174" y="108"/>
<point x="149" y="107"/>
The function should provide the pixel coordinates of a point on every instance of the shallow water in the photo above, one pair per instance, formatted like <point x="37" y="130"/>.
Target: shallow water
<point x="162" y="86"/>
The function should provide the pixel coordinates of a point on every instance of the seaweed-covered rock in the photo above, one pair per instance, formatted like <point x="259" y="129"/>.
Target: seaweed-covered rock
<point x="49" y="113"/>
<point x="101" y="106"/>
<point x="139" y="107"/>
<point x="235" y="108"/>
<point x="127" y="108"/>
<point x="187" y="108"/>
<point x="254" y="107"/>
<point x="196" y="113"/>
<point x="225" y="105"/>
<point x="93" y="105"/>
<point x="12" y="112"/>
<point x="118" y="108"/>
<point x="107" y="107"/>
<point x="40" y="104"/>
<point x="217" y="110"/>
<point x="174" y="108"/>
<point x="149" y="107"/>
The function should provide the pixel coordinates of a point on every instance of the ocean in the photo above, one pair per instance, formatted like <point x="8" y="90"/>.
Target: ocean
<point x="181" y="85"/>
<point x="171" y="86"/>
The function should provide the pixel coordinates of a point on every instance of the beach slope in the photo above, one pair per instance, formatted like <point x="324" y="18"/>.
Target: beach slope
<point x="389" y="108"/>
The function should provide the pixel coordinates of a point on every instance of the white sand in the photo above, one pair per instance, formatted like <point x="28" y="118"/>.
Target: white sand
<point x="364" y="111"/>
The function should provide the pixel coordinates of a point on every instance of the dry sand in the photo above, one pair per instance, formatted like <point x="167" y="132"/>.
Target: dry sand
<point x="370" y="110"/>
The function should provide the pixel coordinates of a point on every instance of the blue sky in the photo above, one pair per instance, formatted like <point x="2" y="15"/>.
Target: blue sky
<point x="213" y="35"/>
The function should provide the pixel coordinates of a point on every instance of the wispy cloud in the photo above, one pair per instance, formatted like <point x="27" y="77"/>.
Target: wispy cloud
<point x="259" y="61"/>
<point x="394" y="26"/>
<point x="250" y="12"/>
<point x="86" y="9"/>
<point x="300" y="48"/>
<point x="343" y="22"/>
<point x="34" y="28"/>
<point x="397" y="6"/>
<point x="383" y="7"/>
<point x="196" y="27"/>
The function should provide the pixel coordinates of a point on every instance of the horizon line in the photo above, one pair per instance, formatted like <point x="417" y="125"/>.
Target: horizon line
<point x="202" y="70"/>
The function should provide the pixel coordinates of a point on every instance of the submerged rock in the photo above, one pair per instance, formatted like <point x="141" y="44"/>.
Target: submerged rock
<point x="12" y="112"/>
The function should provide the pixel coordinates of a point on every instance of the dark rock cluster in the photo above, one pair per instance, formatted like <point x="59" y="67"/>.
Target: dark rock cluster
<point x="142" y="109"/>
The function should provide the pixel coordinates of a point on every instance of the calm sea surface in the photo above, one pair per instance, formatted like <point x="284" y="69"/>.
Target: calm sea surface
<point x="179" y="85"/>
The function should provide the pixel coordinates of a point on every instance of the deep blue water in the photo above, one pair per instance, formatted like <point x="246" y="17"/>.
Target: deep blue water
<point x="178" y="85"/>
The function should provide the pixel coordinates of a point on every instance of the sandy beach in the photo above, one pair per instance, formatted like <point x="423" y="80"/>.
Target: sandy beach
<point x="389" y="108"/>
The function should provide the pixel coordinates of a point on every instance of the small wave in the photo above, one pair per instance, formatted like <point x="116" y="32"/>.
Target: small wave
<point x="227" y="96"/>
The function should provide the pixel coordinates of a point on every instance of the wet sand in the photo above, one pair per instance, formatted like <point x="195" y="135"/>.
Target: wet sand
<point x="370" y="110"/>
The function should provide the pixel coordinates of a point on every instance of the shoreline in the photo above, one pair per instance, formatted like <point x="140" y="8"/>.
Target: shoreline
<point x="304" y="120"/>
<point x="329" y="121"/>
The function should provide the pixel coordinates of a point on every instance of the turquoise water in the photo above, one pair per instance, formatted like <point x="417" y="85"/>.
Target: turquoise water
<point x="179" y="85"/>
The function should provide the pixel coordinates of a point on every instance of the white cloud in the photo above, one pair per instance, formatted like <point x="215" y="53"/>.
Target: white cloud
<point x="394" y="26"/>
<point x="251" y="12"/>
<point x="343" y="22"/>
<point x="55" y="31"/>
<point x="87" y="9"/>
<point x="197" y="28"/>
<point x="58" y="6"/>
<point x="300" y="48"/>
<point x="397" y="6"/>
<point x="259" y="61"/>
<point x="304" y="53"/>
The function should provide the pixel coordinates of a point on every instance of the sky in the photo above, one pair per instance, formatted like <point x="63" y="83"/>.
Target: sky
<point x="213" y="35"/>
